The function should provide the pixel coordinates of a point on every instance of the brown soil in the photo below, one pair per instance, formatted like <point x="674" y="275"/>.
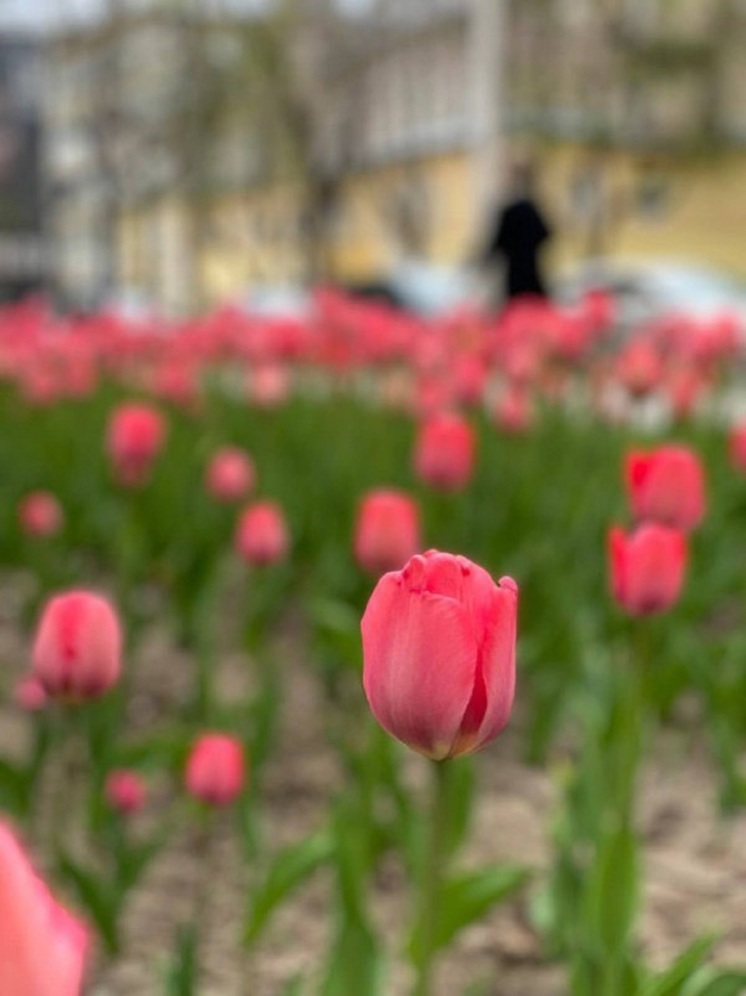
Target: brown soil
<point x="695" y="862"/>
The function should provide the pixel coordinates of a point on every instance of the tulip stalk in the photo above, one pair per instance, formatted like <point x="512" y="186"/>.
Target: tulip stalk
<point x="429" y="896"/>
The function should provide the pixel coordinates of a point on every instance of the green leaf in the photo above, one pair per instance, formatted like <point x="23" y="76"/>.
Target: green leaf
<point x="14" y="782"/>
<point x="716" y="982"/>
<point x="288" y="871"/>
<point x="182" y="975"/>
<point x="611" y="897"/>
<point x="467" y="898"/>
<point x="669" y="983"/>
<point x="355" y="964"/>
<point x="98" y="899"/>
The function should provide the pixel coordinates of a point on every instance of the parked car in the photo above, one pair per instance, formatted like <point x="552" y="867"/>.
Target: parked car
<point x="644" y="290"/>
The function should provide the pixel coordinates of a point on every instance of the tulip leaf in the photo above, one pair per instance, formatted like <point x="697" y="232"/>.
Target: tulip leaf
<point x="289" y="870"/>
<point x="670" y="982"/>
<point x="611" y="890"/>
<point x="716" y="982"/>
<point x="355" y="964"/>
<point x="98" y="899"/>
<point x="182" y="974"/>
<point x="466" y="898"/>
<point x="14" y="785"/>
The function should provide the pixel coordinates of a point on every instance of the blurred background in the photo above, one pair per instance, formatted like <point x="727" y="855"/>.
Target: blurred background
<point x="177" y="154"/>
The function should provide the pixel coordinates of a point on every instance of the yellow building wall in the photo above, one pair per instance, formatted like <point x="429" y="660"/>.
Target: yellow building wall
<point x="253" y="236"/>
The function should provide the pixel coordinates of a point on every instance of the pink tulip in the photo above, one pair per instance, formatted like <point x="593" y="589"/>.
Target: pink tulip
<point x="40" y="514"/>
<point x="135" y="436"/>
<point x="29" y="694"/>
<point x="42" y="947"/>
<point x="439" y="642"/>
<point x="262" y="534"/>
<point x="230" y="475"/>
<point x="387" y="532"/>
<point x="125" y="791"/>
<point x="647" y="568"/>
<point x="215" y="769"/>
<point x="78" y="646"/>
<point x="666" y="485"/>
<point x="737" y="447"/>
<point x="444" y="454"/>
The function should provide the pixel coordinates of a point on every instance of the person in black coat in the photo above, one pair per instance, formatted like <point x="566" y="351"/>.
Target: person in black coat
<point x="517" y="235"/>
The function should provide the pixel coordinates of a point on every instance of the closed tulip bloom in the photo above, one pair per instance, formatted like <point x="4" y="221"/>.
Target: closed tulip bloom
<point x="444" y="454"/>
<point x="42" y="947"/>
<point x="666" y="485"/>
<point x="230" y="475"/>
<point x="647" y="568"/>
<point x="40" y="514"/>
<point x="387" y="532"/>
<point x="262" y="534"/>
<point x="78" y="646"/>
<point x="135" y="437"/>
<point x="125" y="791"/>
<point x="29" y="694"/>
<point x="215" y="769"/>
<point x="439" y="645"/>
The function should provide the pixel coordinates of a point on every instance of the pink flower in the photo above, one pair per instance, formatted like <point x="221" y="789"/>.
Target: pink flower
<point x="444" y="454"/>
<point x="78" y="646"/>
<point x="125" y="791"/>
<point x="135" y="436"/>
<point x="439" y="643"/>
<point x="215" y="769"/>
<point x="29" y="694"/>
<point x="387" y="532"/>
<point x="647" y="568"/>
<point x="40" y="514"/>
<point x="230" y="475"/>
<point x="667" y="486"/>
<point x="262" y="534"/>
<point x="42" y="947"/>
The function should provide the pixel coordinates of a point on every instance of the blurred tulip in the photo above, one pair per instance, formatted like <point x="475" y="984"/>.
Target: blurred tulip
<point x="78" y="646"/>
<point x="387" y="532"/>
<point x="215" y="769"/>
<point x="513" y="413"/>
<point x="666" y="485"/>
<point x="230" y="475"/>
<point x="439" y="643"/>
<point x="42" y="947"/>
<point x="29" y="694"/>
<point x="135" y="436"/>
<point x="647" y="567"/>
<point x="262" y="534"/>
<point x="737" y="446"/>
<point x="125" y="791"/>
<point x="444" y="453"/>
<point x="40" y="514"/>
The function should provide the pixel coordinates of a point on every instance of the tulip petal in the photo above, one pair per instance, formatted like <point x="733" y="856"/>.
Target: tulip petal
<point x="420" y="661"/>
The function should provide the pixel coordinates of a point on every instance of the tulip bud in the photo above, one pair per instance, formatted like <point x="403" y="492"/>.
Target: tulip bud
<point x="40" y="514"/>
<point x="262" y="535"/>
<point x="387" y="533"/>
<point x="439" y="642"/>
<point x="135" y="436"/>
<point x="666" y="486"/>
<point x="125" y="791"/>
<point x="230" y="475"/>
<point x="444" y="455"/>
<point x="647" y="568"/>
<point x="42" y="947"/>
<point x="78" y="646"/>
<point x="29" y="694"/>
<point x="215" y="769"/>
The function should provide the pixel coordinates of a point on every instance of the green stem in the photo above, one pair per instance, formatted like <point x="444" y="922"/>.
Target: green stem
<point x="430" y="884"/>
